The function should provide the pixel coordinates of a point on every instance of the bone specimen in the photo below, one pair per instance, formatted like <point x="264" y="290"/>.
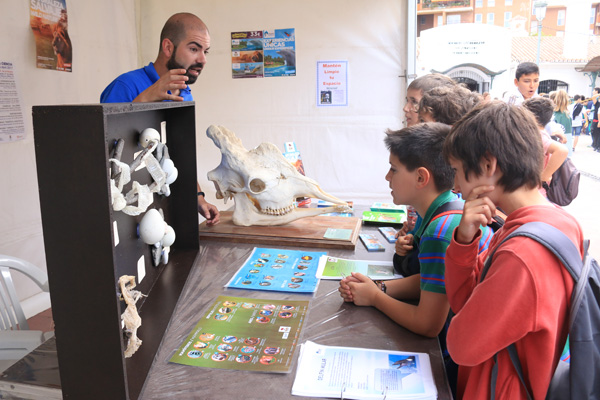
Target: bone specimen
<point x="153" y="230"/>
<point x="130" y="316"/>
<point x="262" y="183"/>
<point x="155" y="158"/>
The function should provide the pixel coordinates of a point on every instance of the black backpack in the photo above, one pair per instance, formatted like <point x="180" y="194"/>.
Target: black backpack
<point x="576" y="110"/>
<point x="577" y="378"/>
<point x="564" y="185"/>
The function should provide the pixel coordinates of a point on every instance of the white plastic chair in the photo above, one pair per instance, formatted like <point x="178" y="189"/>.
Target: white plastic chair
<point x="16" y="340"/>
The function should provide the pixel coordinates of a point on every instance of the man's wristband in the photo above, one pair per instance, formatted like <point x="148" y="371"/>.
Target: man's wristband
<point x="201" y="194"/>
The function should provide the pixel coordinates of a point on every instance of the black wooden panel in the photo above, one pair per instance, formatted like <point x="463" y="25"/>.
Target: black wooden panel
<point x="73" y="145"/>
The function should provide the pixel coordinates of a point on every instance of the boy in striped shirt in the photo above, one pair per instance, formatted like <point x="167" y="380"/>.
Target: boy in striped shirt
<point x="418" y="176"/>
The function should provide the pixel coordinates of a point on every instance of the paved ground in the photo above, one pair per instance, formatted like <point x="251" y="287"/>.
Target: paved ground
<point x="586" y="207"/>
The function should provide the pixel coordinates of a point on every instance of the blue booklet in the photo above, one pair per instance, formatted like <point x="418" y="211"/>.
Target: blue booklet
<point x="389" y="233"/>
<point x="371" y="242"/>
<point x="278" y="270"/>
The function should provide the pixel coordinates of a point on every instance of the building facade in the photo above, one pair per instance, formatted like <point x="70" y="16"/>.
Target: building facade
<point x="517" y="15"/>
<point x="485" y="58"/>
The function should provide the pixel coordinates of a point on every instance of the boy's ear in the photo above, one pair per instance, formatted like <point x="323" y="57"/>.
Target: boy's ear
<point x="516" y="81"/>
<point x="423" y="177"/>
<point x="489" y="165"/>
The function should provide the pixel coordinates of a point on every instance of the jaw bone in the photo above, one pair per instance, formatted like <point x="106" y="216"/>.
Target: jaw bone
<point x="262" y="183"/>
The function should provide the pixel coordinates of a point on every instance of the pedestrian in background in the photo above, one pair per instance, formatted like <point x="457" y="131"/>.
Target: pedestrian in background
<point x="576" y="111"/>
<point x="562" y="117"/>
<point x="595" y="130"/>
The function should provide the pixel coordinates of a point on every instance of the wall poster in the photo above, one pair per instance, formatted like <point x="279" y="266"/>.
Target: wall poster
<point x="332" y="83"/>
<point x="12" y="123"/>
<point x="266" y="53"/>
<point x="50" y="26"/>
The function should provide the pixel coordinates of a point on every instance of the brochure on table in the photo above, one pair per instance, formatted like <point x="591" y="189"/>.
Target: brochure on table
<point x="388" y="207"/>
<point x="278" y="270"/>
<point x="357" y="373"/>
<point x="386" y="218"/>
<point x="389" y="233"/>
<point x="245" y="334"/>
<point x="338" y="268"/>
<point x="371" y="242"/>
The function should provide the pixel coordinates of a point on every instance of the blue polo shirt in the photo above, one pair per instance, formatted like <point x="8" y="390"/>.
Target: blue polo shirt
<point x="129" y="85"/>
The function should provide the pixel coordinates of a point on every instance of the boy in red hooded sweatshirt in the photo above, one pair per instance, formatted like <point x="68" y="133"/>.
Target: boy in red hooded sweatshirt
<point x="497" y="155"/>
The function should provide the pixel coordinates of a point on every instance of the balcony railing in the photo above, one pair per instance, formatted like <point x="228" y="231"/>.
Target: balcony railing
<point x="432" y="5"/>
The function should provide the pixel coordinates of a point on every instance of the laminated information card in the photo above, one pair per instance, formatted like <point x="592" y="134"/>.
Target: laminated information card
<point x="245" y="334"/>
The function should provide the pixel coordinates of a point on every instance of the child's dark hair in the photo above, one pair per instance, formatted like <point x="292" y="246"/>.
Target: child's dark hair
<point x="506" y="132"/>
<point x="447" y="104"/>
<point x="429" y="81"/>
<point x="421" y="145"/>
<point x="542" y="109"/>
<point x="526" y="68"/>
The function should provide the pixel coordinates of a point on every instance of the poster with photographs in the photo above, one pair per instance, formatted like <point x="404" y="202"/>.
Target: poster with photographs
<point x="50" y="25"/>
<point x="264" y="53"/>
<point x="278" y="270"/>
<point x="245" y="334"/>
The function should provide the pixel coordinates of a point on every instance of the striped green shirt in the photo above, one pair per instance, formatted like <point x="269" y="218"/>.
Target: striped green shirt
<point x="432" y="239"/>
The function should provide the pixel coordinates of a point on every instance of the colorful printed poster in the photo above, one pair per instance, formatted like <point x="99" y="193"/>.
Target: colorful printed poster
<point x="258" y="54"/>
<point x="332" y="83"/>
<point x="245" y="334"/>
<point x="50" y="25"/>
<point x="357" y="373"/>
<point x="338" y="268"/>
<point x="278" y="270"/>
<point x="247" y="54"/>
<point x="280" y="52"/>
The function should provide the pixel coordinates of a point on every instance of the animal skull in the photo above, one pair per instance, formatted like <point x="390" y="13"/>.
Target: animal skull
<point x="262" y="183"/>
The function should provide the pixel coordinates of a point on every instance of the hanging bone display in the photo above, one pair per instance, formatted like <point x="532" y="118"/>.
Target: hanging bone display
<point x="130" y="317"/>
<point x="155" y="158"/>
<point x="263" y="183"/>
<point x="154" y="231"/>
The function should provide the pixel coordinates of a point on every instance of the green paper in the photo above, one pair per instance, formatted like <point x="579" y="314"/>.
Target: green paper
<point x="245" y="334"/>
<point x="341" y="234"/>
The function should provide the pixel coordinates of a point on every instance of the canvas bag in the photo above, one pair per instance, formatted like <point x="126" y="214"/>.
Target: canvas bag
<point x="578" y="377"/>
<point x="564" y="185"/>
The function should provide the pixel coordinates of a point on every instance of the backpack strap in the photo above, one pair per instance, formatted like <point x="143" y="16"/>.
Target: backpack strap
<point x="568" y="254"/>
<point x="553" y="239"/>
<point x="454" y="205"/>
<point x="514" y="357"/>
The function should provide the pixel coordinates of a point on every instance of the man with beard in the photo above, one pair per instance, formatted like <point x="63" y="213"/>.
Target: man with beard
<point x="184" y="44"/>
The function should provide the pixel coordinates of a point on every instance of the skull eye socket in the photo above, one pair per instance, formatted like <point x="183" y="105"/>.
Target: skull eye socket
<point x="257" y="185"/>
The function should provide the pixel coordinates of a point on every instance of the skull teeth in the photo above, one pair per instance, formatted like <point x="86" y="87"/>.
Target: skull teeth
<point x="278" y="211"/>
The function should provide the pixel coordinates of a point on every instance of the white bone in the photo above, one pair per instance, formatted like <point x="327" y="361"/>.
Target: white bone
<point x="130" y="316"/>
<point x="262" y="182"/>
